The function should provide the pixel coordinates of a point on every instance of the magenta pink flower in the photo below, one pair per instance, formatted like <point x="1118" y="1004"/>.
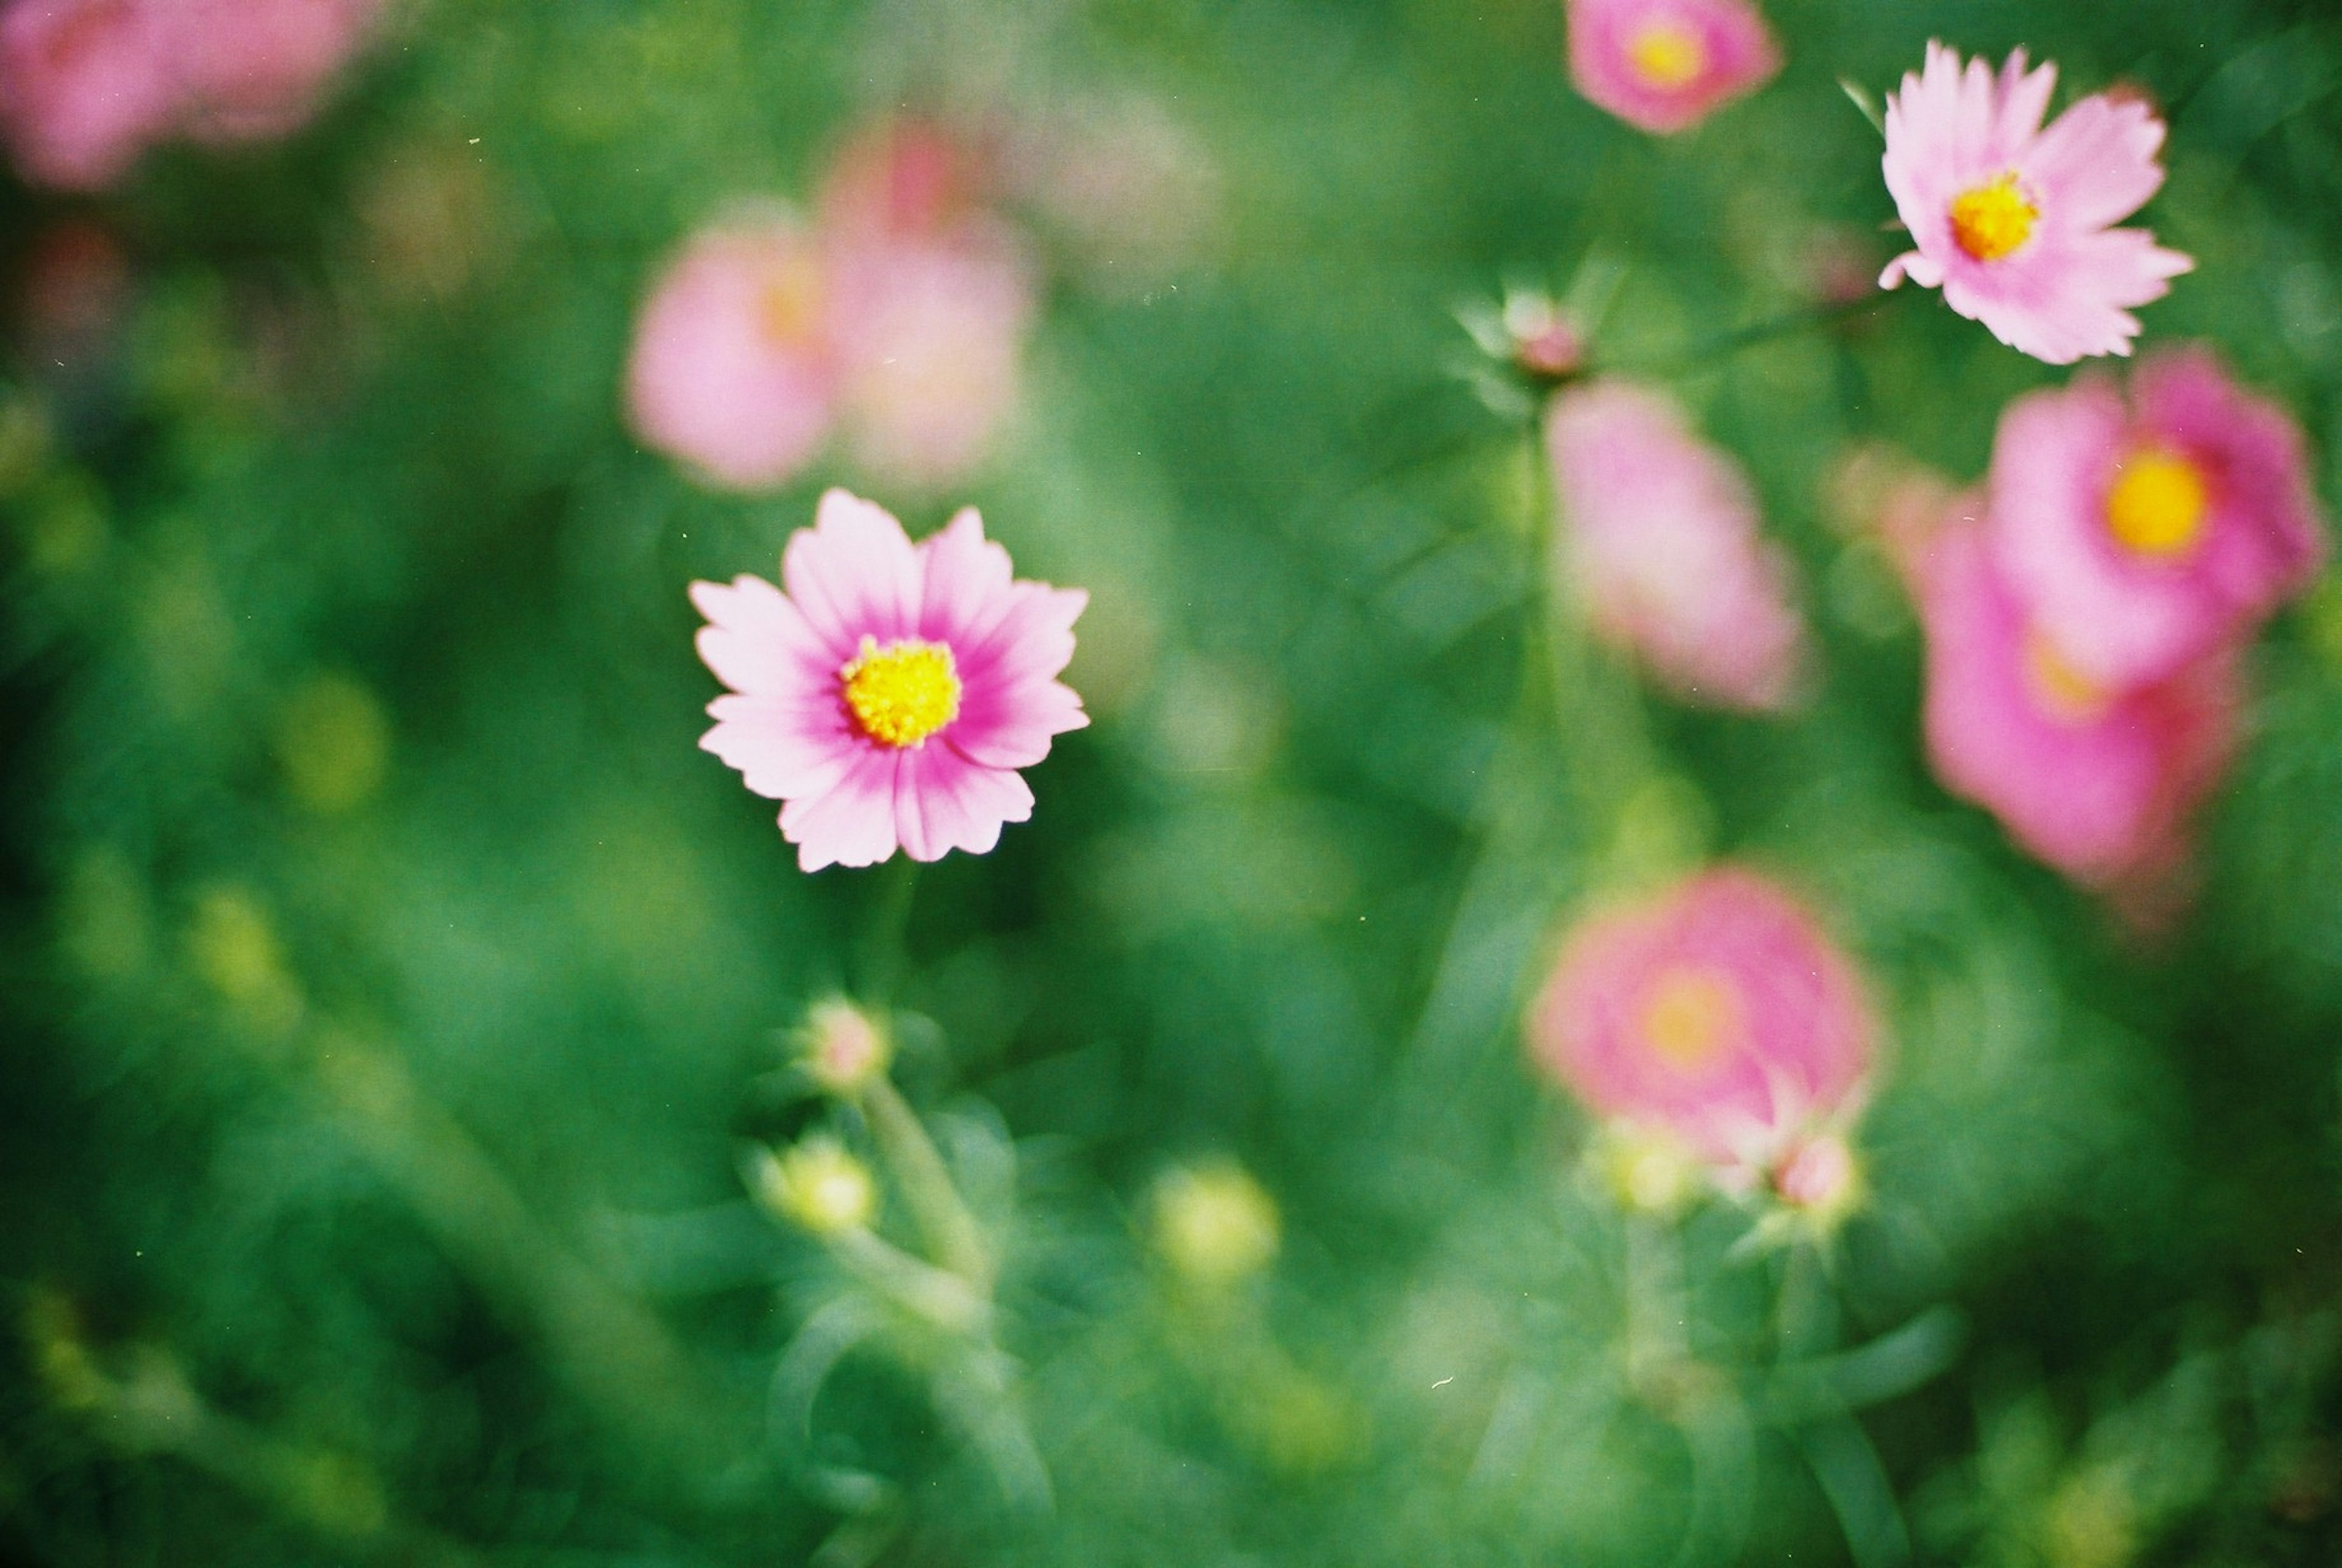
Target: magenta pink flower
<point x="2141" y="536"/>
<point x="1719" y="1012"/>
<point x="85" y="86"/>
<point x="733" y="368"/>
<point x="2013" y="221"/>
<point x="251" y="70"/>
<point x="2097" y="781"/>
<point x="890" y="695"/>
<point x="1659" y="539"/>
<point x="1665" y="65"/>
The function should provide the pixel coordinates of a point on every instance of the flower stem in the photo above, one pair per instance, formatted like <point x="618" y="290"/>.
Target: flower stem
<point x="951" y="1233"/>
<point x="882" y="957"/>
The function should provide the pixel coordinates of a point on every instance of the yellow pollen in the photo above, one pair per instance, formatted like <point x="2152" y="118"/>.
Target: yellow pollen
<point x="903" y="692"/>
<point x="1689" y="1016"/>
<point x="2058" y="689"/>
<point x="1667" y="56"/>
<point x="1993" y="218"/>
<point x="2156" y="508"/>
<point x="789" y="306"/>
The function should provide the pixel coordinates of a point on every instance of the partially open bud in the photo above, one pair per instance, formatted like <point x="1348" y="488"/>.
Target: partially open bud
<point x="1214" y="1224"/>
<point x="1645" y="1169"/>
<point x="1821" y="1179"/>
<point x="817" y="1185"/>
<point x="1542" y="339"/>
<point x="844" y="1047"/>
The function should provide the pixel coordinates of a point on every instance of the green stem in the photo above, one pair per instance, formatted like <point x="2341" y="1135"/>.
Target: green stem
<point x="882" y="956"/>
<point x="950" y="1231"/>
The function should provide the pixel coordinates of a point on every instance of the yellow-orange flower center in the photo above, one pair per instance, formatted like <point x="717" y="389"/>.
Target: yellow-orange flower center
<point x="788" y="306"/>
<point x="2158" y="505"/>
<point x="1689" y="1017"/>
<point x="2058" y="689"/>
<point x="1993" y="218"/>
<point x="1667" y="54"/>
<point x="902" y="692"/>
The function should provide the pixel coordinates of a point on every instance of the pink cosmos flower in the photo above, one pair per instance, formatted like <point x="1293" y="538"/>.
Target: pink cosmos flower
<point x="2094" y="780"/>
<point x="2142" y="535"/>
<point x="889" y="696"/>
<point x="732" y="369"/>
<point x="251" y="70"/>
<point x="1718" y="1011"/>
<point x="1665" y="65"/>
<point x="2013" y="221"/>
<point x="1660" y="541"/>
<point x="84" y="85"/>
<point x="932" y="299"/>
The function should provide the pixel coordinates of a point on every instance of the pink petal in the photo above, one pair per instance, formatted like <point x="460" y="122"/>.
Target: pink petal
<point x="853" y="823"/>
<point x="2097" y="165"/>
<point x="756" y="641"/>
<point x="782" y="750"/>
<point x="853" y="575"/>
<point x="944" y="801"/>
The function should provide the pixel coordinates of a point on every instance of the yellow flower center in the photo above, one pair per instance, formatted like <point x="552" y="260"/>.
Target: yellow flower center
<point x="1689" y="1017"/>
<point x="788" y="307"/>
<point x="2058" y="689"/>
<point x="1667" y="54"/>
<point x="2158" y="506"/>
<point x="903" y="692"/>
<point x="1993" y="218"/>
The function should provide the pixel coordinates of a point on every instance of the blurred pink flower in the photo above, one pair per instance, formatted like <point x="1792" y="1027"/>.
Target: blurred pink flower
<point x="2141" y="536"/>
<point x="250" y="70"/>
<point x="1665" y="65"/>
<point x="890" y="695"/>
<point x="2096" y="781"/>
<point x="87" y="85"/>
<point x="932" y="297"/>
<point x="733" y="367"/>
<point x="1659" y="540"/>
<point x="2012" y="221"/>
<point x="1719" y="1012"/>
<point x="84" y="85"/>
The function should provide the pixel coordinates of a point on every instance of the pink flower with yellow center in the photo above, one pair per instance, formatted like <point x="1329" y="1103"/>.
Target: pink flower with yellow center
<point x="732" y="369"/>
<point x="2142" y="534"/>
<point x="1664" y="65"/>
<point x="1718" y="1011"/>
<point x="889" y="696"/>
<point x="2013" y="221"/>
<point x="1659" y="542"/>
<point x="2095" y="779"/>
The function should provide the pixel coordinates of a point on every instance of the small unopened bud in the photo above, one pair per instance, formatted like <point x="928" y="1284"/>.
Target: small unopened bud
<point x="844" y="1047"/>
<point x="1821" y="1179"/>
<point x="1544" y="340"/>
<point x="1214" y="1224"/>
<point x="1644" y="1169"/>
<point x="817" y="1185"/>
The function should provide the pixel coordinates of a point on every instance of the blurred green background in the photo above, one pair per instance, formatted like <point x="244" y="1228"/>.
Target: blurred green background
<point x="390" y="985"/>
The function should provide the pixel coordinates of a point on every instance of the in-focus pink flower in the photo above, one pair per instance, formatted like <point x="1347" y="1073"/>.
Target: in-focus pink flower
<point x="251" y="70"/>
<point x="1659" y="540"/>
<point x="85" y="86"/>
<point x="2014" y="223"/>
<point x="1718" y="1011"/>
<point x="2141" y="536"/>
<point x="2097" y="781"/>
<point x="932" y="297"/>
<point x="733" y="369"/>
<point x="1665" y="65"/>
<point x="890" y="695"/>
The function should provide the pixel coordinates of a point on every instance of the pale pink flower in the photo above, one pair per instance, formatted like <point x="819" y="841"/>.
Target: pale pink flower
<point x="1719" y="1012"/>
<point x="1659" y="540"/>
<point x="2096" y="781"/>
<point x="2014" y="222"/>
<point x="1665" y="65"/>
<point x="251" y="70"/>
<point x="733" y="369"/>
<point x="85" y="86"/>
<point x="932" y="297"/>
<point x="2142" y="535"/>
<point x="890" y="695"/>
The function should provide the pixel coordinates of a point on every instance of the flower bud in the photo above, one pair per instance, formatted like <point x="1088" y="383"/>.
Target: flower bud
<point x="1645" y="1169"/>
<point x="1544" y="340"/>
<point x="817" y="1185"/>
<point x="1214" y="1224"/>
<point x="844" y="1047"/>
<point x="1821" y="1179"/>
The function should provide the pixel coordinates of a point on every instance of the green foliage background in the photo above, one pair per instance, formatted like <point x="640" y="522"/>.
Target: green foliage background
<point x="390" y="982"/>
